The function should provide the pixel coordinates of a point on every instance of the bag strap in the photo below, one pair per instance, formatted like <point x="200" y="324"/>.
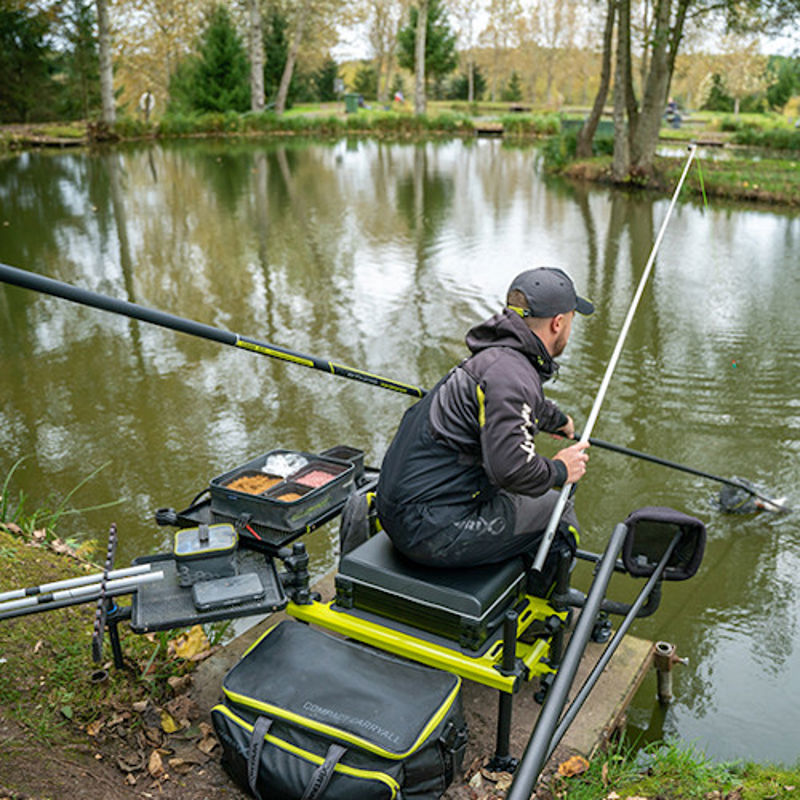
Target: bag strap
<point x="323" y="773"/>
<point x="260" y="730"/>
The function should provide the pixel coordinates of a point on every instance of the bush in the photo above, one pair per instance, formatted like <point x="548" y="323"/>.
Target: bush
<point x="531" y="124"/>
<point x="777" y="139"/>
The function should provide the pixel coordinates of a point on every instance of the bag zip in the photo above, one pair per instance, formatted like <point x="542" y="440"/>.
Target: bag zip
<point x="313" y="758"/>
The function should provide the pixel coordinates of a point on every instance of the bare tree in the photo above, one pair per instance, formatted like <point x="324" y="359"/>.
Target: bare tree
<point x="255" y="31"/>
<point x="106" y="68"/>
<point x="420" y="101"/>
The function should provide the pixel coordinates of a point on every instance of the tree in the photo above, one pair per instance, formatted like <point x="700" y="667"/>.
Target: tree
<point x="429" y="49"/>
<point x="109" y="114"/>
<point x="744" y="68"/>
<point x="25" y="62"/>
<point x="221" y="75"/>
<point x="81" y="94"/>
<point x="460" y="88"/>
<point x="276" y="50"/>
<point x="467" y="13"/>
<point x="785" y="81"/>
<point x="301" y="20"/>
<point x="512" y="93"/>
<point x="325" y="80"/>
<point x="256" y="48"/>
<point x="366" y="81"/>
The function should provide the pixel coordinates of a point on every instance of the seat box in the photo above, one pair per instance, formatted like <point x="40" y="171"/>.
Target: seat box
<point x="466" y="605"/>
<point x="288" y="503"/>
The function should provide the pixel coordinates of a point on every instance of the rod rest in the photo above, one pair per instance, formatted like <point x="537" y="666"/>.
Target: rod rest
<point x="574" y="598"/>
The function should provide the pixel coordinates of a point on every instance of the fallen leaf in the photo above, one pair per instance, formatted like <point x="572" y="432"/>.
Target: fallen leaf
<point x="140" y="705"/>
<point x="154" y="765"/>
<point x="573" y="766"/>
<point x="604" y="773"/>
<point x="189" y="644"/>
<point x="93" y="728"/>
<point x="168" y="724"/>
<point x="504" y="781"/>
<point x="39" y="536"/>
<point x="179" y="765"/>
<point x="207" y="744"/>
<point x="179" y="683"/>
<point x="476" y="781"/>
<point x="67" y="711"/>
<point x="12" y="527"/>
<point x="130" y="779"/>
<point x="38" y="646"/>
<point x="131" y="762"/>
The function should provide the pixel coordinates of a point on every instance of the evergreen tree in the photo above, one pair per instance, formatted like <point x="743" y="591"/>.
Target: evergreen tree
<point x="365" y="82"/>
<point x="80" y="62"/>
<point x="785" y="74"/>
<point x="325" y="80"/>
<point x="512" y="93"/>
<point x="222" y="77"/>
<point x="718" y="98"/>
<point x="26" y="64"/>
<point x="459" y="86"/>
<point x="440" y="43"/>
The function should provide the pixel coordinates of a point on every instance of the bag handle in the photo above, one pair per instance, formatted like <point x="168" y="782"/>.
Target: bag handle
<point x="260" y="730"/>
<point x="323" y="773"/>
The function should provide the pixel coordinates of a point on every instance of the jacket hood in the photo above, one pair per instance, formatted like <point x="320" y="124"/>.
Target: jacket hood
<point x="507" y="329"/>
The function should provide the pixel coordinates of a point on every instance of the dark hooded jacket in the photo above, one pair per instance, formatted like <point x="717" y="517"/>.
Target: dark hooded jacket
<point x="472" y="435"/>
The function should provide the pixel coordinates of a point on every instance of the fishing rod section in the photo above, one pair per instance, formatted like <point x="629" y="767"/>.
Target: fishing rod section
<point x="66" y="291"/>
<point x="558" y="510"/>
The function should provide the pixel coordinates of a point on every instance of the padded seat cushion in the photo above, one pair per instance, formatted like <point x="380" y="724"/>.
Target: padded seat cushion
<point x="470" y="591"/>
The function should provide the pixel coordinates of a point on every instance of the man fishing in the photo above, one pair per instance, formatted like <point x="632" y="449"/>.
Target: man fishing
<point x="462" y="483"/>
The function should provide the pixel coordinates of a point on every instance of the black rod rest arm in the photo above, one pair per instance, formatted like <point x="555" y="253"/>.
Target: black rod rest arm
<point x="574" y="598"/>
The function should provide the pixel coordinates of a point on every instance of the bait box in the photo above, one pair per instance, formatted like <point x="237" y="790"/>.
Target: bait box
<point x="225" y="592"/>
<point x="205" y="553"/>
<point x="345" y="453"/>
<point x="268" y="509"/>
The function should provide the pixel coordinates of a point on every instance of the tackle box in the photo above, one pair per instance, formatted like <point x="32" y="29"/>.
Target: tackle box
<point x="465" y="605"/>
<point x="292" y="502"/>
<point x="205" y="553"/>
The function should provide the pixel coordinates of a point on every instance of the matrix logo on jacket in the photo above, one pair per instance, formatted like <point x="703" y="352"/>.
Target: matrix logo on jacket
<point x="527" y="431"/>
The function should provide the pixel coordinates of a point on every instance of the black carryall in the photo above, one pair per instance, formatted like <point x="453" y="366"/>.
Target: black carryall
<point x="307" y="716"/>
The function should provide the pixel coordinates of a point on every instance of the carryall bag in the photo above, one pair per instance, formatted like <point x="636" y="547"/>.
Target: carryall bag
<point x="307" y="716"/>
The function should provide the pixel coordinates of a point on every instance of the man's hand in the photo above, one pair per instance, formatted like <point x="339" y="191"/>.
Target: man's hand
<point x="568" y="428"/>
<point x="575" y="460"/>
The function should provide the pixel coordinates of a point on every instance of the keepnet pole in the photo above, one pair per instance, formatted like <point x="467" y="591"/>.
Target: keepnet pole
<point x="555" y="517"/>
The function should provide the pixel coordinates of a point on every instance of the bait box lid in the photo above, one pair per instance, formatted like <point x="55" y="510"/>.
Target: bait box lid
<point x="308" y="503"/>
<point x="205" y="541"/>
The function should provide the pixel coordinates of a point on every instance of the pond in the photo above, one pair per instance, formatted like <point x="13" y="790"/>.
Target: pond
<point x="382" y="256"/>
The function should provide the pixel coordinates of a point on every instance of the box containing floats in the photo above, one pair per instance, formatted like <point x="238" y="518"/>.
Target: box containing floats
<point x="283" y="489"/>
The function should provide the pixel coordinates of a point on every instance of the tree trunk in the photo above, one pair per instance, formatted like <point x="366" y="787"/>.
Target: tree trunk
<point x="471" y="80"/>
<point x="620" y="165"/>
<point x="106" y="68"/>
<point x="420" y="102"/>
<point x="587" y="131"/>
<point x="645" y="137"/>
<point x="256" y="58"/>
<point x="291" y="58"/>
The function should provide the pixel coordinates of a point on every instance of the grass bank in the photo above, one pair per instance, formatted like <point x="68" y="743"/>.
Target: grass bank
<point x="671" y="771"/>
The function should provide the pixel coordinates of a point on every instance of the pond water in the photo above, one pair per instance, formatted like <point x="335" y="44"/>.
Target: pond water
<point x="382" y="256"/>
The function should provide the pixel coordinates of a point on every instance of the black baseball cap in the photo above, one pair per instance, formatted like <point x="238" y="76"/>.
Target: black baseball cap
<point x="549" y="291"/>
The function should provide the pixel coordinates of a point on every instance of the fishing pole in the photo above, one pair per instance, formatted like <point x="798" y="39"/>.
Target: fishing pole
<point x="555" y="517"/>
<point x="40" y="283"/>
<point x="80" y="594"/>
<point x="738" y="483"/>
<point x="66" y="291"/>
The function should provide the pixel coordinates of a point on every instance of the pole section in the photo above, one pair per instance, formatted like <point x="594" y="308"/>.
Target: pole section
<point x="555" y="517"/>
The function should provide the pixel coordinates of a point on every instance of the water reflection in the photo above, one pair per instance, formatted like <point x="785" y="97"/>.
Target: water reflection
<point x="382" y="256"/>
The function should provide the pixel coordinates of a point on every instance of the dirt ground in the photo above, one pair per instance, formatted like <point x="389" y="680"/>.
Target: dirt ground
<point x="132" y="758"/>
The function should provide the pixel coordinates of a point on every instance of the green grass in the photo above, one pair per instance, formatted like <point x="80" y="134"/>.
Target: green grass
<point x="676" y="771"/>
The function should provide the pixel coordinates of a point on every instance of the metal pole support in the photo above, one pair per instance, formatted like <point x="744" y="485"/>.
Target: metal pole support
<point x="664" y="659"/>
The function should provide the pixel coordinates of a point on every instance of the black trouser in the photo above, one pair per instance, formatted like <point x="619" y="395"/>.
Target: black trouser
<point x="506" y="526"/>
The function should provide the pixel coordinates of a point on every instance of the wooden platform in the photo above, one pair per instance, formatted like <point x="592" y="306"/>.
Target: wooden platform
<point x="602" y="714"/>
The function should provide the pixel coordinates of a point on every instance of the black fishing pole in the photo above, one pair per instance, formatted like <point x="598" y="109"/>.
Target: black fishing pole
<point x="39" y="283"/>
<point x="66" y="291"/>
<point x="738" y="483"/>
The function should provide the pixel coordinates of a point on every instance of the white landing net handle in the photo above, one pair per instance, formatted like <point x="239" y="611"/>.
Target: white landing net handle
<point x="555" y="517"/>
